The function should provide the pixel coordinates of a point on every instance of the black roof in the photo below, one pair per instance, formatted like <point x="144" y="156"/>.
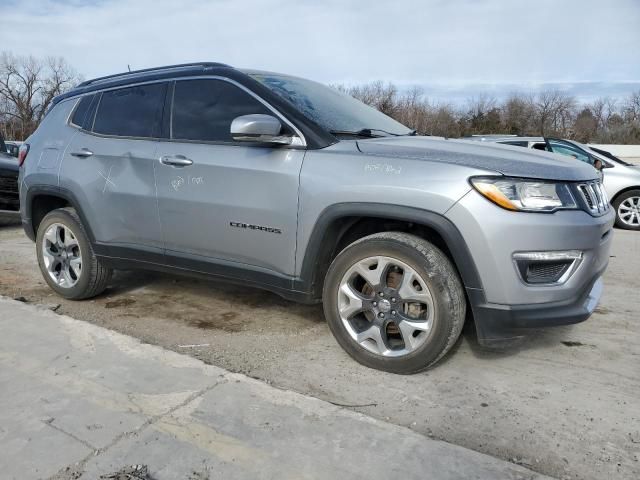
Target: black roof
<point x="147" y="74"/>
<point x="315" y="135"/>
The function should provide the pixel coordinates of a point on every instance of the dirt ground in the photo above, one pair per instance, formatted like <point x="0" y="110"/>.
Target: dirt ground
<point x="566" y="402"/>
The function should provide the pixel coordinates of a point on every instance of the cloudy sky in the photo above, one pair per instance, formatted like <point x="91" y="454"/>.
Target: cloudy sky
<point x="453" y="48"/>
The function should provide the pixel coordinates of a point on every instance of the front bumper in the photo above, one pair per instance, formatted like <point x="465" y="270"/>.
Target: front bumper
<point x="504" y="306"/>
<point x="500" y="324"/>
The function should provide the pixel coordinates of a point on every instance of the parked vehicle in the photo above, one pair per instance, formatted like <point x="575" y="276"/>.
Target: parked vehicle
<point x="9" y="199"/>
<point x="289" y="185"/>
<point x="12" y="147"/>
<point x="621" y="179"/>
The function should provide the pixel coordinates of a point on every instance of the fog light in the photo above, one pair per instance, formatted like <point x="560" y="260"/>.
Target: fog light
<point x="546" y="268"/>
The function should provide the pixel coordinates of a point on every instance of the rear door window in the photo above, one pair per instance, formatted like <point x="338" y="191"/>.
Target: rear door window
<point x="204" y="109"/>
<point x="563" y="148"/>
<point x="131" y="112"/>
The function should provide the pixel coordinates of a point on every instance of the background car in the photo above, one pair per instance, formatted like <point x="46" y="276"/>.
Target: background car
<point x="12" y="147"/>
<point x="9" y="199"/>
<point x="621" y="179"/>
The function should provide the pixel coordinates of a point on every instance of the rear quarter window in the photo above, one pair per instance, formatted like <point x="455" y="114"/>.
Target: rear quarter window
<point x="80" y="114"/>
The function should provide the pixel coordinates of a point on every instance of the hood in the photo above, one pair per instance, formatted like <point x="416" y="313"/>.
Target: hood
<point x="505" y="159"/>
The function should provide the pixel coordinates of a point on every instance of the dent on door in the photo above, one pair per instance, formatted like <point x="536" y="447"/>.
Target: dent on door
<point x="116" y="178"/>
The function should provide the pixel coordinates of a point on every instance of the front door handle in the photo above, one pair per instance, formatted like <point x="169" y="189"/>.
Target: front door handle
<point x="176" y="160"/>
<point x="83" y="153"/>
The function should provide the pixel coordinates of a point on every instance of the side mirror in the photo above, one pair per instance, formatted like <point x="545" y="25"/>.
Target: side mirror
<point x="598" y="164"/>
<point x="259" y="128"/>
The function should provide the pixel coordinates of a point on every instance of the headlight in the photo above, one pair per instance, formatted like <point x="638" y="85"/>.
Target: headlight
<point x="525" y="195"/>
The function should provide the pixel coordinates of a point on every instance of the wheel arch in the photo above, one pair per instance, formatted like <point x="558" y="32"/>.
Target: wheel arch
<point x="341" y="224"/>
<point x="623" y="191"/>
<point x="42" y="199"/>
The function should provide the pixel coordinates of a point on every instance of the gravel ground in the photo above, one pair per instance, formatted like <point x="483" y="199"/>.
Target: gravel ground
<point x="566" y="402"/>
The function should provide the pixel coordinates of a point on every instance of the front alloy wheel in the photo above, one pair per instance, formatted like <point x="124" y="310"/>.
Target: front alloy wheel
<point x="394" y="302"/>
<point x="385" y="306"/>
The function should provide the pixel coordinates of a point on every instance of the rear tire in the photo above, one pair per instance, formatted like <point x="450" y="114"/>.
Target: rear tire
<point x="394" y="302"/>
<point x="627" y="207"/>
<point x="66" y="258"/>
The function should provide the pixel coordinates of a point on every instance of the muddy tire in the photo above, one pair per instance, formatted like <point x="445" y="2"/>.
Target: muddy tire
<point x="394" y="302"/>
<point x="66" y="259"/>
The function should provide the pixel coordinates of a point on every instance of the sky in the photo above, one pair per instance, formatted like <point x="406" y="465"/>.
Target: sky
<point x="453" y="49"/>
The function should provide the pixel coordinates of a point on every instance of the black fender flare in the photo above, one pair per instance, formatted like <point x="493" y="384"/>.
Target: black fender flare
<point x="54" y="191"/>
<point x="322" y="231"/>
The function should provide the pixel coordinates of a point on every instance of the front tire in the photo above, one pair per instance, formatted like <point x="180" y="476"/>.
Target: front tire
<point x="394" y="302"/>
<point x="66" y="258"/>
<point x="627" y="207"/>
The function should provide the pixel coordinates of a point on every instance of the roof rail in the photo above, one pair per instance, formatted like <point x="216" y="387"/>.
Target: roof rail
<point x="154" y="69"/>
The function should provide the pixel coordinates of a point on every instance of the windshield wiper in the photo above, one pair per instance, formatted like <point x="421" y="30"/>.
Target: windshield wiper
<point x="371" y="133"/>
<point x="365" y="132"/>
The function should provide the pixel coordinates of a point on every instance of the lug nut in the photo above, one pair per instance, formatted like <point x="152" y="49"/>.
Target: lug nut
<point x="381" y="315"/>
<point x="393" y="299"/>
<point x="393" y="312"/>
<point x="375" y="304"/>
<point x="382" y="294"/>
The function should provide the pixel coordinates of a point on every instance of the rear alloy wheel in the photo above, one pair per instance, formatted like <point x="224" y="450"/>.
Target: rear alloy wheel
<point x="627" y="208"/>
<point x="66" y="258"/>
<point x="61" y="255"/>
<point x="394" y="302"/>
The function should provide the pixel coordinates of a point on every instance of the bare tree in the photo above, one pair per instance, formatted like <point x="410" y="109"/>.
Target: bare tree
<point x="28" y="86"/>
<point x="519" y="114"/>
<point x="585" y="126"/>
<point x="555" y="111"/>
<point x="632" y="108"/>
<point x="482" y="115"/>
<point x="602" y="109"/>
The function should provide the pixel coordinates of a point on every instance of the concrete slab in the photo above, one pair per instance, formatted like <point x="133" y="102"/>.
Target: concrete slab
<point x="77" y="399"/>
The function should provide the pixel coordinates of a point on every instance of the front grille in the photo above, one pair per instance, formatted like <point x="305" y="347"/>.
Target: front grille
<point x="8" y="185"/>
<point x="546" y="272"/>
<point x="595" y="197"/>
<point x="9" y="198"/>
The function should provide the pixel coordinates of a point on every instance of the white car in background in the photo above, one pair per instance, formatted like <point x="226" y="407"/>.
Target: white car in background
<point x="621" y="179"/>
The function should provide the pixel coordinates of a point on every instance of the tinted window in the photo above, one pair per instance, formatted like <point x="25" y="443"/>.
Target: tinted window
<point x="204" y="109"/>
<point x="517" y="144"/>
<point x="131" y="112"/>
<point x="80" y="113"/>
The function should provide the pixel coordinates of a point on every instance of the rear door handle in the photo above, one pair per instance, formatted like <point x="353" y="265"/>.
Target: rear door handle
<point x="176" y="160"/>
<point x="83" y="153"/>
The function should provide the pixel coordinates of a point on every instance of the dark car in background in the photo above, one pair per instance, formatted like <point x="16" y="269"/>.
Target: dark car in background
<point x="9" y="198"/>
<point x="13" y="148"/>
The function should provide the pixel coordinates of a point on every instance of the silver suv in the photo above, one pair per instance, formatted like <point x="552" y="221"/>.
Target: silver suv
<point x="286" y="184"/>
<point x="621" y="180"/>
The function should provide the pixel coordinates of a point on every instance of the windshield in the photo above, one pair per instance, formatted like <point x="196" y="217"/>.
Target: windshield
<point x="333" y="110"/>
